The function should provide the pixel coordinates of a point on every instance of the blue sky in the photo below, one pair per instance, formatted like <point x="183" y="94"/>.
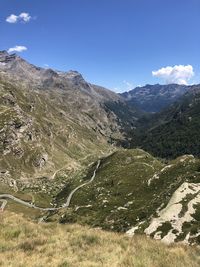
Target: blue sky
<point x="113" y="43"/>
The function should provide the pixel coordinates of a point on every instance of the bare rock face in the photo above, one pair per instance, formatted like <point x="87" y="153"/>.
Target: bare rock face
<point x="15" y="126"/>
<point x="179" y="212"/>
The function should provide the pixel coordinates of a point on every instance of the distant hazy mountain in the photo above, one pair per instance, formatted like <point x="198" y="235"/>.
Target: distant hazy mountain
<point x="153" y="98"/>
<point x="174" y="131"/>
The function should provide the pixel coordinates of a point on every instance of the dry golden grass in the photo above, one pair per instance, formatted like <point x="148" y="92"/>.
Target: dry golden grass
<point x="25" y="243"/>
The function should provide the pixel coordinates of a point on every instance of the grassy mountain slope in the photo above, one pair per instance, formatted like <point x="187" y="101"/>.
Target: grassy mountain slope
<point x="130" y="189"/>
<point x="53" y="122"/>
<point x="25" y="243"/>
<point x="40" y="135"/>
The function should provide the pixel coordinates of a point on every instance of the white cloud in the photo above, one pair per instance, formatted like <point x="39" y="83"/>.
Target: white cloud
<point x="179" y="74"/>
<point x="17" y="48"/>
<point x="23" y="17"/>
<point x="12" y="18"/>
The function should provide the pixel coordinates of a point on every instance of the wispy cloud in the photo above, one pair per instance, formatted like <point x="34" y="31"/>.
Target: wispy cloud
<point x="23" y="17"/>
<point x="180" y="74"/>
<point x="129" y="85"/>
<point x="17" y="48"/>
<point x="125" y="86"/>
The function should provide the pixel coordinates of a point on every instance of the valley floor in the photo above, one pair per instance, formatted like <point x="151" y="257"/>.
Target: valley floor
<point x="25" y="243"/>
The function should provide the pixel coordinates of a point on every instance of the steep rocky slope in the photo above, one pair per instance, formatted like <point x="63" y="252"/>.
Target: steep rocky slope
<point x="153" y="98"/>
<point x="52" y="121"/>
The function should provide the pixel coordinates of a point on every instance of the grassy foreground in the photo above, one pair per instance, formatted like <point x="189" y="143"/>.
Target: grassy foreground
<point x="25" y="243"/>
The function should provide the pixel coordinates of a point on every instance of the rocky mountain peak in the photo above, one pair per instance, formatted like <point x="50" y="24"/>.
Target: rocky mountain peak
<point x="74" y="76"/>
<point x="73" y="73"/>
<point x="5" y="57"/>
<point x="3" y="53"/>
<point x="153" y="98"/>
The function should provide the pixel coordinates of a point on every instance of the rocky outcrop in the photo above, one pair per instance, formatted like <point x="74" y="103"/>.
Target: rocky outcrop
<point x="40" y="160"/>
<point x="173" y="222"/>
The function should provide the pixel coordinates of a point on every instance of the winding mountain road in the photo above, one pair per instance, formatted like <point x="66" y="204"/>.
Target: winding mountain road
<point x="3" y="197"/>
<point x="80" y="186"/>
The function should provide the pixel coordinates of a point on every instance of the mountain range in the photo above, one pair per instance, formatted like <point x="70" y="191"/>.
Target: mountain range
<point x="121" y="162"/>
<point x="154" y="98"/>
<point x="49" y="118"/>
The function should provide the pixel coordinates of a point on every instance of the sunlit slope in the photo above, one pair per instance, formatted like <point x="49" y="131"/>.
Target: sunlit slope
<point x="25" y="243"/>
<point x="39" y="135"/>
<point x="52" y="120"/>
<point x="131" y="187"/>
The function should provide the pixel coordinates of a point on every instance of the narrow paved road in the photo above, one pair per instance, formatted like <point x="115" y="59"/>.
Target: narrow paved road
<point x="80" y="186"/>
<point x="27" y="204"/>
<point x="30" y="205"/>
